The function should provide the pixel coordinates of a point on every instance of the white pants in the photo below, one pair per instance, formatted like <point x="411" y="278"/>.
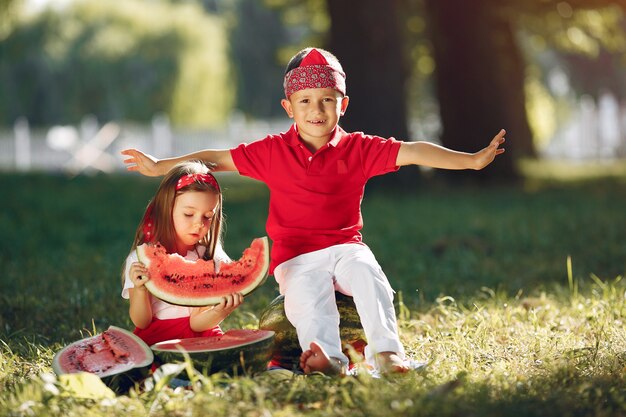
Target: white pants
<point x="309" y="282"/>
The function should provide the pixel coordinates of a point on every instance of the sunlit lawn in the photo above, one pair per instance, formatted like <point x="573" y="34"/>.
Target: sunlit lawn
<point x="482" y="273"/>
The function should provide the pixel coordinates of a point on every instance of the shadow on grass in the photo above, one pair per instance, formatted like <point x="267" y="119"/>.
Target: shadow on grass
<point x="560" y="394"/>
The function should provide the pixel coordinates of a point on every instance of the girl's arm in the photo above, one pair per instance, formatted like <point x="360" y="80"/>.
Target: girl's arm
<point x="140" y="310"/>
<point x="435" y="156"/>
<point x="204" y="318"/>
<point x="152" y="167"/>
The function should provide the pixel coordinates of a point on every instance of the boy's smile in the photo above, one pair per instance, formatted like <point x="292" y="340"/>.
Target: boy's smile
<point x="316" y="112"/>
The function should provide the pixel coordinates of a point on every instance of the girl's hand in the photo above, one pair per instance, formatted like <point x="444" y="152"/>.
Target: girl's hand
<point x="229" y="303"/>
<point x="143" y="163"/>
<point x="487" y="155"/>
<point x="203" y="318"/>
<point x="138" y="275"/>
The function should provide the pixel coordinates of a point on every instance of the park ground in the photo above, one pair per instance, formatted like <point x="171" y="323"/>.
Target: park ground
<point x="512" y="295"/>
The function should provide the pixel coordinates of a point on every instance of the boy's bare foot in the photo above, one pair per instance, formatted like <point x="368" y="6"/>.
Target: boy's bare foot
<point x="391" y="362"/>
<point x="317" y="360"/>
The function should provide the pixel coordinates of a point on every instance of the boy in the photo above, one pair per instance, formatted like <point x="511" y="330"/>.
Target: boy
<point x="316" y="173"/>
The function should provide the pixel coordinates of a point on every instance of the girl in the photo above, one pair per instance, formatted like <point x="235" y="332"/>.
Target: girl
<point x="185" y="216"/>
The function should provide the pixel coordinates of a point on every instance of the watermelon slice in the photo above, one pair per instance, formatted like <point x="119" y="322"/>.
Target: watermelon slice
<point x="116" y="355"/>
<point x="195" y="283"/>
<point x="238" y="351"/>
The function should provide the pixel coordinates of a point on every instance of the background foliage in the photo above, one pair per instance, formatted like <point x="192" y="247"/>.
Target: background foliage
<point x="118" y="61"/>
<point x="199" y="60"/>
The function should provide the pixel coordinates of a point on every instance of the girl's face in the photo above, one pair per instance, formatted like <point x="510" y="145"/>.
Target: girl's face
<point x="192" y="215"/>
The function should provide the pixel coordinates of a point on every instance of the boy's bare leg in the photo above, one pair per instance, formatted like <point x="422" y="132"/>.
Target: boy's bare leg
<point x="316" y="359"/>
<point x="391" y="362"/>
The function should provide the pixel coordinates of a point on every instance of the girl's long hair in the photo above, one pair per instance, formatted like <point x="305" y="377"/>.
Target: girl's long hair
<point x="159" y="211"/>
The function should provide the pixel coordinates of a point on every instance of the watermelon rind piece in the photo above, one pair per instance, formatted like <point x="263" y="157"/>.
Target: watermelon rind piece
<point x="286" y="351"/>
<point x="236" y="352"/>
<point x="119" y="378"/>
<point x="194" y="298"/>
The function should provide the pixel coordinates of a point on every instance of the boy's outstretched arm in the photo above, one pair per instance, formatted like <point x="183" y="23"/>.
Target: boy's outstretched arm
<point x="435" y="156"/>
<point x="152" y="167"/>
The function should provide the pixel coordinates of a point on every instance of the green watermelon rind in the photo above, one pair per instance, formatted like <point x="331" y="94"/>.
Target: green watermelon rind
<point x="244" y="359"/>
<point x="286" y="352"/>
<point x="190" y="301"/>
<point x="121" y="380"/>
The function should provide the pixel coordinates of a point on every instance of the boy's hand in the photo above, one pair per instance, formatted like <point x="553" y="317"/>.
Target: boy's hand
<point x="485" y="156"/>
<point x="143" y="163"/>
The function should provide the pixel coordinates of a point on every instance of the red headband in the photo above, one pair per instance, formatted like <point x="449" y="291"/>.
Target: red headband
<point x="148" y="225"/>
<point x="314" y="72"/>
<point x="185" y="180"/>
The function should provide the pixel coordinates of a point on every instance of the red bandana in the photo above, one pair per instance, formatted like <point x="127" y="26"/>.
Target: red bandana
<point x="314" y="72"/>
<point x="185" y="180"/>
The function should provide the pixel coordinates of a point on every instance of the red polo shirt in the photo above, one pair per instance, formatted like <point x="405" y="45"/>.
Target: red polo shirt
<point x="315" y="198"/>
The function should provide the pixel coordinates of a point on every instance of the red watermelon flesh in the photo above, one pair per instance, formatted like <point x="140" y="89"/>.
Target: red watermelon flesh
<point x="236" y="351"/>
<point x="116" y="355"/>
<point x="196" y="283"/>
<point x="232" y="339"/>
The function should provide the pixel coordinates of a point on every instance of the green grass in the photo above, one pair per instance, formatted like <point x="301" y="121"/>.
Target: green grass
<point x="486" y="298"/>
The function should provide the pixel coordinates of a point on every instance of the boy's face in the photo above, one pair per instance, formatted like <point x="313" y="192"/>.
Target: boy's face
<point x="316" y="112"/>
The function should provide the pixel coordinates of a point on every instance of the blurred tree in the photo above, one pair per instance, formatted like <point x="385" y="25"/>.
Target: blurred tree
<point x="8" y="15"/>
<point x="256" y="37"/>
<point x="480" y="79"/>
<point x="480" y="69"/>
<point x="589" y="44"/>
<point x="608" y="70"/>
<point x="369" y="42"/>
<point x="117" y="60"/>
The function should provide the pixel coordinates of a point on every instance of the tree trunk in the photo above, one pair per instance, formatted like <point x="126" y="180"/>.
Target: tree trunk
<point x="480" y="80"/>
<point x="365" y="35"/>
